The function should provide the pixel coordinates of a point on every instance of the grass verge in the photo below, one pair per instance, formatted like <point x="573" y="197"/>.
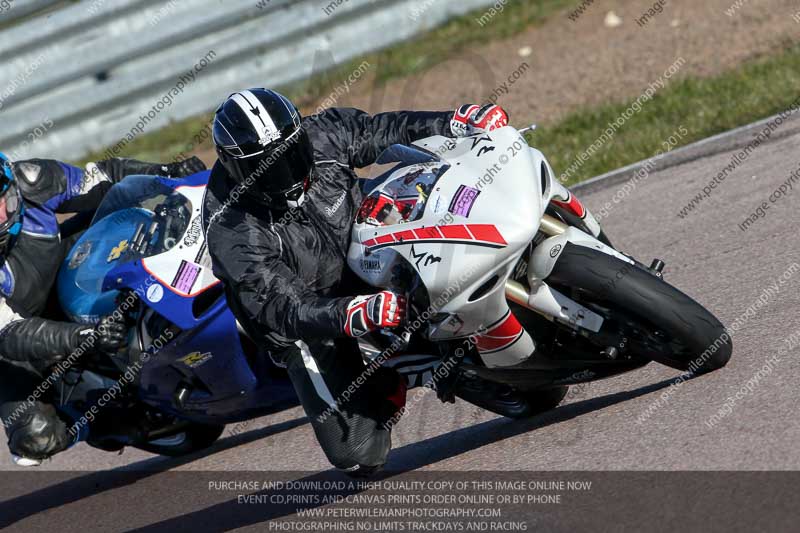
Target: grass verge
<point x="704" y="106"/>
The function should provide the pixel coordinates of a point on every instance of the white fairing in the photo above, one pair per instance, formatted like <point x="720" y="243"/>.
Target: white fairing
<point x="185" y="269"/>
<point x="479" y="216"/>
<point x="543" y="259"/>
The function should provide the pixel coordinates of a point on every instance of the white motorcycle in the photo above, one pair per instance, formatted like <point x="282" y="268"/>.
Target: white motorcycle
<point x="514" y="291"/>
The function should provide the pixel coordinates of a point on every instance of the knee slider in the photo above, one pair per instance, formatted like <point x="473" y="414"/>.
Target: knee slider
<point x="371" y="453"/>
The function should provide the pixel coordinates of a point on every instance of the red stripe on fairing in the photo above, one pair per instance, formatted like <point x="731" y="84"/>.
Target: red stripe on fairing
<point x="407" y="235"/>
<point x="489" y="344"/>
<point x="573" y="205"/>
<point x="428" y="233"/>
<point x="509" y="327"/>
<point x="455" y="232"/>
<point x="484" y="233"/>
<point x="487" y="233"/>
<point x="504" y="334"/>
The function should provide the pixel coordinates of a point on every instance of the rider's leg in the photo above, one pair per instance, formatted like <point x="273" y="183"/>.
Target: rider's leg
<point x="351" y="408"/>
<point x="34" y="429"/>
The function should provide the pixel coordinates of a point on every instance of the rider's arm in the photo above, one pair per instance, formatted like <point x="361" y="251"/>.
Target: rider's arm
<point x="25" y="339"/>
<point x="362" y="137"/>
<point x="271" y="296"/>
<point x="85" y="189"/>
<point x="36" y="340"/>
<point x="66" y="188"/>
<point x="118" y="168"/>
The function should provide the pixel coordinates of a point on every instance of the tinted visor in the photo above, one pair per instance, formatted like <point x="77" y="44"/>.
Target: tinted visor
<point x="9" y="204"/>
<point x="277" y="173"/>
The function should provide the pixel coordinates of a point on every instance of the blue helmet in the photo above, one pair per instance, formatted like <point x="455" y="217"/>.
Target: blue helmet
<point x="11" y="207"/>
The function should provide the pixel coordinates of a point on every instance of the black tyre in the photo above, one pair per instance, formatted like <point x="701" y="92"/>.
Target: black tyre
<point x="657" y="321"/>
<point x="507" y="401"/>
<point x="194" y="438"/>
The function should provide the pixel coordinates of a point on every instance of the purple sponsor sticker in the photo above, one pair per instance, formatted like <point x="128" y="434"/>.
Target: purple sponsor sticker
<point x="463" y="201"/>
<point x="186" y="277"/>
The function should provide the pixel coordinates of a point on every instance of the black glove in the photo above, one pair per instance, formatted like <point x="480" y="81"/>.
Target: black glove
<point x="108" y="336"/>
<point x="184" y="168"/>
<point x="45" y="343"/>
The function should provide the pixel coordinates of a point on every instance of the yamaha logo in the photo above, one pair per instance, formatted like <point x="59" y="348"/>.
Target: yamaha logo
<point x="370" y="265"/>
<point x="555" y="250"/>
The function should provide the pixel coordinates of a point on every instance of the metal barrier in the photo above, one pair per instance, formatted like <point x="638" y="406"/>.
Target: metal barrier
<point x="13" y="10"/>
<point x="96" y="73"/>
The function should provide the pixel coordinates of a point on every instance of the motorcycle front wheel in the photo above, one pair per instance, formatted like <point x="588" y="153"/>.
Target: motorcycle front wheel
<point x="646" y="316"/>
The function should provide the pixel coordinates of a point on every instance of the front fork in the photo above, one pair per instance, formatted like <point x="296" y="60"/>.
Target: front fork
<point x="543" y="299"/>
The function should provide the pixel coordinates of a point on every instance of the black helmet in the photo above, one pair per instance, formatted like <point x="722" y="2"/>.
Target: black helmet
<point x="261" y="143"/>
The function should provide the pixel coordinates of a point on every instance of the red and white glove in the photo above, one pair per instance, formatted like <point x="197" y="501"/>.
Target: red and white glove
<point x="471" y="119"/>
<point x="369" y="313"/>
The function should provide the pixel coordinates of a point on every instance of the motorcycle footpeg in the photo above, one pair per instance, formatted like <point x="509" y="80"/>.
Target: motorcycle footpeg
<point x="657" y="268"/>
<point x="446" y="386"/>
<point x="181" y="394"/>
<point x="447" y="394"/>
<point x="611" y="353"/>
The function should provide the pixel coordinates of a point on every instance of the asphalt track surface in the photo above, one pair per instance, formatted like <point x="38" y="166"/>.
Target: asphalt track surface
<point x="601" y="426"/>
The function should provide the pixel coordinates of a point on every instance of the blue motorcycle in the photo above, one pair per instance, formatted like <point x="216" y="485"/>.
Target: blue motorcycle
<point x="189" y="368"/>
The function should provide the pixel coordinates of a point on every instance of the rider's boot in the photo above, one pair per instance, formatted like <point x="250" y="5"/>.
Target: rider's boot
<point x="35" y="430"/>
<point x="38" y="435"/>
<point x="390" y="391"/>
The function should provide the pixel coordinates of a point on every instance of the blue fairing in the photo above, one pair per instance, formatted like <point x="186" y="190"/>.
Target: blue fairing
<point x="80" y="283"/>
<point x="205" y="350"/>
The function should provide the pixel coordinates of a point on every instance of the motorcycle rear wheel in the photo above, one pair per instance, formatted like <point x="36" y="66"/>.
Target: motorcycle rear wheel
<point x="661" y="323"/>
<point x="194" y="438"/>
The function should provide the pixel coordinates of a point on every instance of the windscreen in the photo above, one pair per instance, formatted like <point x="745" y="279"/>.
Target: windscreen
<point x="140" y="217"/>
<point x="403" y="179"/>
